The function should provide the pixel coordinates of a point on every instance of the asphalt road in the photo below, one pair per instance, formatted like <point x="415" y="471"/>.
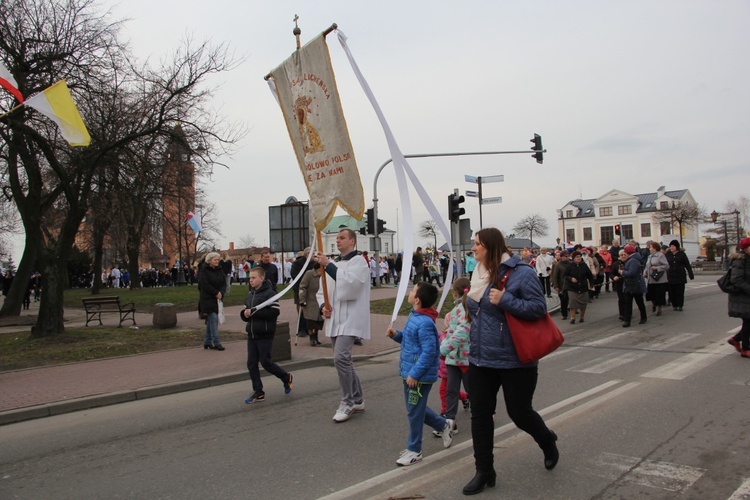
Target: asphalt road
<point x="654" y="411"/>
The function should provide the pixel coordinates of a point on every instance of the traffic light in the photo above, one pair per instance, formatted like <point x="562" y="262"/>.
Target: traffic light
<point x="363" y="230"/>
<point x="455" y="211"/>
<point x="537" y="140"/>
<point x="617" y="229"/>
<point x="381" y="226"/>
<point x="370" y="221"/>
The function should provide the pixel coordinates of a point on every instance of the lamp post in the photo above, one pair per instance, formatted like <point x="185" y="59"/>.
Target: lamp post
<point x="430" y="155"/>
<point x="724" y="260"/>
<point x="564" y="237"/>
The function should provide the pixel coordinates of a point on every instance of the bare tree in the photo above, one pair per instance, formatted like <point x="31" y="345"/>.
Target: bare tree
<point x="531" y="225"/>
<point x="247" y="241"/>
<point x="52" y="184"/>
<point x="680" y="215"/>
<point x="429" y="229"/>
<point x="742" y="205"/>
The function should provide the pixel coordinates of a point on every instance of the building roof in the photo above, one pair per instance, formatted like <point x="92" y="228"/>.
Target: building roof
<point x="646" y="203"/>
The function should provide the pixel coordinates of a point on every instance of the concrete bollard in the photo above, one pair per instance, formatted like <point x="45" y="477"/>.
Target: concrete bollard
<point x="165" y="315"/>
<point x="282" y="346"/>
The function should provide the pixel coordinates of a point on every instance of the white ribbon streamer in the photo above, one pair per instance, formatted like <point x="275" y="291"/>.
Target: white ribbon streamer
<point x="401" y="167"/>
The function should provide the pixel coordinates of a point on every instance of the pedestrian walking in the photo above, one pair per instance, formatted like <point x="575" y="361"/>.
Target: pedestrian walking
<point x="578" y="282"/>
<point x="211" y="285"/>
<point x="679" y="267"/>
<point x="739" y="303"/>
<point x="656" y="275"/>
<point x="634" y="286"/>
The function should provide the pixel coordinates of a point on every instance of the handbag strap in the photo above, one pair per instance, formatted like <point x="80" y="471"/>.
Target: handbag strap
<point x="505" y="279"/>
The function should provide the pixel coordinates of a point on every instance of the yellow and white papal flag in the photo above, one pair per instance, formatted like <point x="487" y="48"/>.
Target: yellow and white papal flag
<point x="309" y="99"/>
<point x="57" y="104"/>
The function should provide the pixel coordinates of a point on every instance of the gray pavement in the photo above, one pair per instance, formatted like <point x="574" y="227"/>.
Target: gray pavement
<point x="52" y="390"/>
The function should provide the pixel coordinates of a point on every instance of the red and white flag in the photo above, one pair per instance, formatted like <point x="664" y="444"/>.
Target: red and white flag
<point x="9" y="83"/>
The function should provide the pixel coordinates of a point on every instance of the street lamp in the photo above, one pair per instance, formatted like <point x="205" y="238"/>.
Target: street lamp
<point x="724" y="261"/>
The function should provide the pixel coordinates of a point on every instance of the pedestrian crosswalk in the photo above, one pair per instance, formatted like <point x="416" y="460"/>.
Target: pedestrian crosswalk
<point x="623" y="348"/>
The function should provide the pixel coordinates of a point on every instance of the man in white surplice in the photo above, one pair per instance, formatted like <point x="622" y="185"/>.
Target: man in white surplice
<point x="347" y="317"/>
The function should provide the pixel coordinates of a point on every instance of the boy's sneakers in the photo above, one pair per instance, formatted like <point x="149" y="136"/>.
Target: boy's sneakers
<point x="409" y="458"/>
<point x="256" y="397"/>
<point x="447" y="434"/>
<point x="343" y="413"/>
<point x="288" y="384"/>
<point x="358" y="407"/>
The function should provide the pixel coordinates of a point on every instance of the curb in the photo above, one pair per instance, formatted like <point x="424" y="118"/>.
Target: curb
<point x="61" y="407"/>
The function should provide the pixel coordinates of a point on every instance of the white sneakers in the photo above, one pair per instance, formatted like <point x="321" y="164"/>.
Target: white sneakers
<point x="409" y="458"/>
<point x="448" y="433"/>
<point x="412" y="457"/>
<point x="345" y="411"/>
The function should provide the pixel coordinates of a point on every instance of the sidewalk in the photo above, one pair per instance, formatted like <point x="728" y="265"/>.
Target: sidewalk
<point x="53" y="390"/>
<point x="45" y="391"/>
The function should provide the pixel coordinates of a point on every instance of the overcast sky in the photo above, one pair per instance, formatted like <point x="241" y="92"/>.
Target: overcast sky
<point x="630" y="95"/>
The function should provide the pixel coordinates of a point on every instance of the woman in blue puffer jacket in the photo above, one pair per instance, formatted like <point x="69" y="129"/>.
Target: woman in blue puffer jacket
<point x="493" y="362"/>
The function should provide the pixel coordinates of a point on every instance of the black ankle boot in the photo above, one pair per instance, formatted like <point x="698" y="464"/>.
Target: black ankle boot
<point x="479" y="482"/>
<point x="551" y="454"/>
<point x="312" y="340"/>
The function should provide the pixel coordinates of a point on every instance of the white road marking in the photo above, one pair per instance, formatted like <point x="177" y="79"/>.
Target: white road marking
<point x="653" y="474"/>
<point x="743" y="492"/>
<point x="432" y="476"/>
<point x="690" y="363"/>
<point x="607" y="363"/>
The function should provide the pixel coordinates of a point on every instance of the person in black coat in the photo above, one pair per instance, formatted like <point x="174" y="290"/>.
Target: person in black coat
<point x="211" y="285"/>
<point x="739" y="303"/>
<point x="679" y="264"/>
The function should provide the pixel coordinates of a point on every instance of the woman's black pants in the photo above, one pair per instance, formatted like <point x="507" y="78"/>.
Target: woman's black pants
<point x="518" y="385"/>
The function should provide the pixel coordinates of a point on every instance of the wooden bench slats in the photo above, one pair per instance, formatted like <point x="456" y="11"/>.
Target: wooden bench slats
<point x="94" y="309"/>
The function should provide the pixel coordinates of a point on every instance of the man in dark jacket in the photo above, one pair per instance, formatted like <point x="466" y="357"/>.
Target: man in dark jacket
<point x="272" y="272"/>
<point x="261" y="327"/>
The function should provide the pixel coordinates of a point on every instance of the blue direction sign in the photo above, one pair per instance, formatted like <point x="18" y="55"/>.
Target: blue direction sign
<point x="473" y="194"/>
<point x="470" y="178"/>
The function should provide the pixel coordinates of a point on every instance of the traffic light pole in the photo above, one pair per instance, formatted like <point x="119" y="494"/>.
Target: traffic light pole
<point x="430" y="155"/>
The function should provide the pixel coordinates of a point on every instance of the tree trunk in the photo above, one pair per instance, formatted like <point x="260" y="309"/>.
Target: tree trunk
<point x="50" y="319"/>
<point x="133" y="246"/>
<point x="14" y="299"/>
<point x="98" y="244"/>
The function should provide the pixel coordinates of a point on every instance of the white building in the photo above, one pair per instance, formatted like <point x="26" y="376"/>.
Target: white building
<point x="364" y="241"/>
<point x="592" y="222"/>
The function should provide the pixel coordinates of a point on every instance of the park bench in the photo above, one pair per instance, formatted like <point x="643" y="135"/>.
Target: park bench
<point x="95" y="306"/>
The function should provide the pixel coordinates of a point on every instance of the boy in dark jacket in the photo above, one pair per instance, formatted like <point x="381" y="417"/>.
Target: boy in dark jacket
<point x="261" y="327"/>
<point x="418" y="366"/>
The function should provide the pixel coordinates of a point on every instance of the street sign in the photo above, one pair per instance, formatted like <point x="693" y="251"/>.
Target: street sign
<point x="487" y="201"/>
<point x="473" y="194"/>
<point x="470" y="178"/>
<point x="493" y="178"/>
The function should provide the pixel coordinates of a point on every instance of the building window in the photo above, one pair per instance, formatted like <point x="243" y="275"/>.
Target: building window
<point x="607" y="235"/>
<point x="333" y="248"/>
<point x="386" y="248"/>
<point x="570" y="235"/>
<point x="627" y="231"/>
<point x="568" y="214"/>
<point x="624" y="210"/>
<point x="645" y="230"/>
<point x="605" y="211"/>
<point x="587" y="234"/>
<point x="665" y="228"/>
<point x="664" y="205"/>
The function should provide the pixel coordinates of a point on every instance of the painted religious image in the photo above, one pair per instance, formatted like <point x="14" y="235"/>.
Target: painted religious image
<point x="310" y="138"/>
<point x="306" y="90"/>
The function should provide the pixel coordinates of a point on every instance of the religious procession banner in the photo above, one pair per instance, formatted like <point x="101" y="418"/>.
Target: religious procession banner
<point x="309" y="99"/>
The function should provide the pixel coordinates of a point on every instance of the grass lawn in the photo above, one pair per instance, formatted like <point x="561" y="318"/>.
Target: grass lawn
<point x="385" y="306"/>
<point x="185" y="298"/>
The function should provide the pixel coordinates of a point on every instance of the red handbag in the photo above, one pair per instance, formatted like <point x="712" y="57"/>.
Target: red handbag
<point x="534" y="338"/>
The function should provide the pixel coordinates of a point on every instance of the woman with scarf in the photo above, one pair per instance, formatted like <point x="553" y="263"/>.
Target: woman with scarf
<point x="578" y="280"/>
<point x="493" y="361"/>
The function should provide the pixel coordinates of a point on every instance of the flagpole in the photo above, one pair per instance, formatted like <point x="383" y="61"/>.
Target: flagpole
<point x="12" y="110"/>
<point x="323" y="274"/>
<point x="334" y="26"/>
